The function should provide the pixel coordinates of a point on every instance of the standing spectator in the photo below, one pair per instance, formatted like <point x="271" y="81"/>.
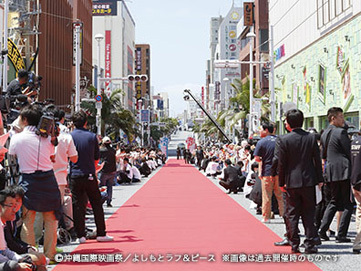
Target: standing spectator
<point x="200" y="156"/>
<point x="264" y="153"/>
<point x="109" y="170"/>
<point x="298" y="175"/>
<point x="179" y="153"/>
<point x="64" y="151"/>
<point x="83" y="182"/>
<point x="185" y="155"/>
<point x="35" y="156"/>
<point x="356" y="188"/>
<point x="336" y="152"/>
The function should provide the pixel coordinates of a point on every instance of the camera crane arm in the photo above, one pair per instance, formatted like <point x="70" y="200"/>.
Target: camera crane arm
<point x="208" y="115"/>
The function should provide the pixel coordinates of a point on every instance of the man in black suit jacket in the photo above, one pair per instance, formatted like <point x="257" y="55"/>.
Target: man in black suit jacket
<point x="336" y="153"/>
<point x="200" y="156"/>
<point x="298" y="176"/>
<point x="231" y="179"/>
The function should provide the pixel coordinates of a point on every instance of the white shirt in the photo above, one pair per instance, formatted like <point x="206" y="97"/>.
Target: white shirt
<point x="212" y="168"/>
<point x="33" y="151"/>
<point x="136" y="173"/>
<point x="63" y="151"/>
<point x="130" y="171"/>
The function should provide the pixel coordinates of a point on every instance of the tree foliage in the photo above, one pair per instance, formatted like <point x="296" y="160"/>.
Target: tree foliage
<point x="114" y="116"/>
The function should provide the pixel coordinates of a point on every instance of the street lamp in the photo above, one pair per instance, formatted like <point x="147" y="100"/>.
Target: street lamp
<point x="251" y="36"/>
<point x="98" y="38"/>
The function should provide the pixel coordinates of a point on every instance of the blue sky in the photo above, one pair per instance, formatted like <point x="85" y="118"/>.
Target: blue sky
<point x="178" y="33"/>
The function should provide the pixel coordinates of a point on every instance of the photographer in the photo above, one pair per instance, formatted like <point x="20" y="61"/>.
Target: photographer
<point x="35" y="154"/>
<point x="15" y="89"/>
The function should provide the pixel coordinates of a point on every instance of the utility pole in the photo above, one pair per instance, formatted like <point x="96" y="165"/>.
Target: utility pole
<point x="78" y="29"/>
<point x="272" y="81"/>
<point x="99" y="38"/>
<point x="5" y="48"/>
<point x="250" y="35"/>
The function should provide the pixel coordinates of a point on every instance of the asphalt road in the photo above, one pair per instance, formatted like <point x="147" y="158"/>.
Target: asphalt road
<point x="179" y="137"/>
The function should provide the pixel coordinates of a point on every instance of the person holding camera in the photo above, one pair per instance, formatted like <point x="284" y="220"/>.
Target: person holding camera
<point x="15" y="87"/>
<point x="35" y="155"/>
<point x="83" y="182"/>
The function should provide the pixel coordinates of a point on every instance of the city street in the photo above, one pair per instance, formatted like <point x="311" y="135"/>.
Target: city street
<point x="178" y="210"/>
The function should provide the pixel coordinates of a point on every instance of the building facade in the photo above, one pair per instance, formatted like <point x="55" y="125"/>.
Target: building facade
<point x="317" y="47"/>
<point x="117" y="26"/>
<point x="227" y="48"/>
<point x="260" y="46"/>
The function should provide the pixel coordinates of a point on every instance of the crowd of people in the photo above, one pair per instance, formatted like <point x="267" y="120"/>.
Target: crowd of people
<point x="65" y="173"/>
<point x="302" y="174"/>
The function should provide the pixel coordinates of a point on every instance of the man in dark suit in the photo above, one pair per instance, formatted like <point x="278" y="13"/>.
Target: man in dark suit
<point x="336" y="153"/>
<point x="230" y="179"/>
<point x="298" y="176"/>
<point x="200" y="156"/>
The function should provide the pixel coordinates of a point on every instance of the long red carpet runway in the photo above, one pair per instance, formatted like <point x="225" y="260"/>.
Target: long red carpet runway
<point x="179" y="220"/>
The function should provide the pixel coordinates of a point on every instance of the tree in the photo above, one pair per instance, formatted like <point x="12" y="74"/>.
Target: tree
<point x="114" y="116"/>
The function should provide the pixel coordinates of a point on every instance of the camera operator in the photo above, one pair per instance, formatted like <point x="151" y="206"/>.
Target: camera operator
<point x="15" y="88"/>
<point x="35" y="154"/>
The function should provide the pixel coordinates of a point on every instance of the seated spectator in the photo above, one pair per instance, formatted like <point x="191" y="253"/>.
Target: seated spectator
<point x="212" y="167"/>
<point x="10" y="229"/>
<point x="10" y="260"/>
<point x="144" y="168"/>
<point x="136" y="174"/>
<point x="126" y="175"/>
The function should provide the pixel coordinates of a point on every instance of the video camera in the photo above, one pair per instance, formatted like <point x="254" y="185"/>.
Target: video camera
<point x="48" y="122"/>
<point x="34" y="82"/>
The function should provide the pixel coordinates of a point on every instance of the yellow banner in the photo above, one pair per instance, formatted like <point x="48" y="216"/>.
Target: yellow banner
<point x="15" y="56"/>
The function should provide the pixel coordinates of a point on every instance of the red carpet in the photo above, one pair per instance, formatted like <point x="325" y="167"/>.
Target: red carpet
<point x="179" y="212"/>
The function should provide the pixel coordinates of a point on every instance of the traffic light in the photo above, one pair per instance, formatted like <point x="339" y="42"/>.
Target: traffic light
<point x="137" y="77"/>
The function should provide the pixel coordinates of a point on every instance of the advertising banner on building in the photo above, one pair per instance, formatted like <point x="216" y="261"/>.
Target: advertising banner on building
<point x="105" y="8"/>
<point x="138" y="70"/>
<point x="108" y="61"/>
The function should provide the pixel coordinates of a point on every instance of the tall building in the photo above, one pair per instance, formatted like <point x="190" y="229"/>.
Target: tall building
<point x="317" y="50"/>
<point x="261" y="45"/>
<point x="55" y="63"/>
<point x="227" y="48"/>
<point x="142" y="66"/>
<point x="113" y="20"/>
<point x="41" y="30"/>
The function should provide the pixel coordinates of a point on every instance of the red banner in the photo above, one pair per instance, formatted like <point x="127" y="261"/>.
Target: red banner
<point x="108" y="60"/>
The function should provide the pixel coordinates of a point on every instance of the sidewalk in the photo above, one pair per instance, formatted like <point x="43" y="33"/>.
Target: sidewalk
<point x="121" y="194"/>
<point x="343" y="251"/>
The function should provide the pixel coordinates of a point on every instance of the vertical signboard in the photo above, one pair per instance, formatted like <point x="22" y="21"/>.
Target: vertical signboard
<point x="248" y="13"/>
<point x="145" y="116"/>
<point x="108" y="61"/>
<point x="138" y="70"/>
<point x="202" y="95"/>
